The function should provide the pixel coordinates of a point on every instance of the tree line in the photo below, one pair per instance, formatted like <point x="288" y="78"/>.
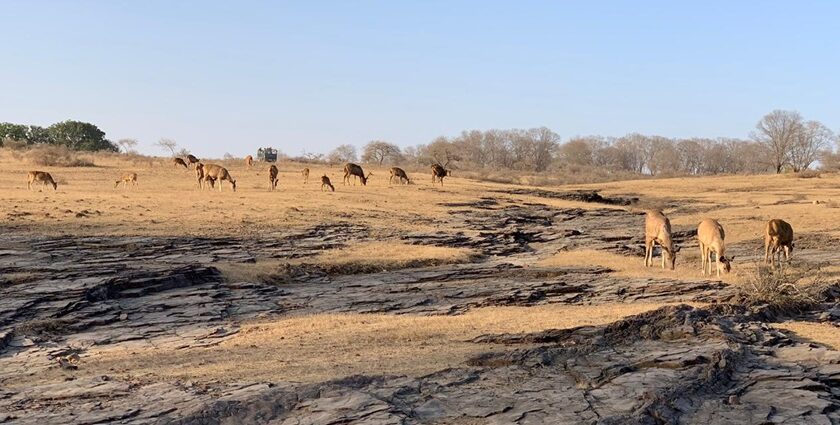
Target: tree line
<point x="76" y="135"/>
<point x="781" y="140"/>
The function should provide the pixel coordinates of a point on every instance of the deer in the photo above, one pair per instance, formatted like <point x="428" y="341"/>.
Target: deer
<point x="400" y="174"/>
<point x="213" y="172"/>
<point x="354" y="170"/>
<point x="41" y="177"/>
<point x="439" y="172"/>
<point x="272" y="177"/>
<point x="191" y="160"/>
<point x="178" y="161"/>
<point x="249" y="161"/>
<point x="710" y="236"/>
<point x="199" y="175"/>
<point x="778" y="237"/>
<point x="126" y="179"/>
<point x="305" y="174"/>
<point x="325" y="181"/>
<point x="658" y="232"/>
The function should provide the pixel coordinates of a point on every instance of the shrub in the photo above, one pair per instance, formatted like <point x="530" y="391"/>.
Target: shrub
<point x="786" y="288"/>
<point x="56" y="156"/>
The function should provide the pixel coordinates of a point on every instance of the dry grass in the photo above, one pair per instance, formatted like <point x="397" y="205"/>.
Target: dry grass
<point x="320" y="347"/>
<point x="823" y="333"/>
<point x="364" y="257"/>
<point x="687" y="266"/>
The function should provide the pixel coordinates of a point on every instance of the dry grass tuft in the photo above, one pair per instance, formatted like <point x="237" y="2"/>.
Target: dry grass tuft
<point x="786" y="288"/>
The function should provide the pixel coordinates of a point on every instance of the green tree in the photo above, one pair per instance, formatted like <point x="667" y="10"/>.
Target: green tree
<point x="35" y="134"/>
<point x="12" y="132"/>
<point x="81" y="136"/>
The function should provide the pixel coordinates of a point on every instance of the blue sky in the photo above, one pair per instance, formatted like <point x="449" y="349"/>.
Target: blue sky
<point x="231" y="76"/>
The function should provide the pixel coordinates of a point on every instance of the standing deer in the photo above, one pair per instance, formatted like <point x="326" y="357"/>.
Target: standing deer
<point x="778" y="237"/>
<point x="658" y="232"/>
<point x="305" y="174"/>
<point x="199" y="175"/>
<point x="354" y="170"/>
<point x="192" y="160"/>
<point x="400" y="174"/>
<point x="439" y="172"/>
<point x="711" y="237"/>
<point x="249" y="161"/>
<point x="179" y="161"/>
<point x="40" y="177"/>
<point x="272" y="177"/>
<point x="325" y="181"/>
<point x="126" y="179"/>
<point x="213" y="173"/>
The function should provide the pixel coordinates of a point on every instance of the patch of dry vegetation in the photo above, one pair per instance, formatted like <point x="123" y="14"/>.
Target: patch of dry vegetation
<point x="327" y="346"/>
<point x="55" y="156"/>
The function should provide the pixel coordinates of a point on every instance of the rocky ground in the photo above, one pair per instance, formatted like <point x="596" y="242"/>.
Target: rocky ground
<point x="723" y="363"/>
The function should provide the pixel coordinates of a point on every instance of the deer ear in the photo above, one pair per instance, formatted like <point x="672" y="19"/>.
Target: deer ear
<point x="677" y="248"/>
<point x="732" y="258"/>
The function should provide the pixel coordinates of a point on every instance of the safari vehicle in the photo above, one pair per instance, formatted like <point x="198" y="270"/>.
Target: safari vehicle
<point x="267" y="154"/>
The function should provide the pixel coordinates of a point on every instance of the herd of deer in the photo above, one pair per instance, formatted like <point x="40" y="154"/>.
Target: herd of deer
<point x="778" y="239"/>
<point x="778" y="234"/>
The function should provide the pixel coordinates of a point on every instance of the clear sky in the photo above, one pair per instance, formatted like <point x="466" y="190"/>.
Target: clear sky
<point x="231" y="76"/>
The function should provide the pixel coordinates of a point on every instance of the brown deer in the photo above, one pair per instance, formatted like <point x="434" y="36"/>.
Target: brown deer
<point x="354" y="170"/>
<point x="305" y="174"/>
<point x="199" y="175"/>
<point x="214" y="173"/>
<point x="658" y="232"/>
<point x="399" y="174"/>
<point x="272" y="177"/>
<point x="439" y="172"/>
<point x="249" y="161"/>
<point x="40" y="177"/>
<point x="711" y="237"/>
<point x="778" y="237"/>
<point x="126" y="179"/>
<point x="179" y="161"/>
<point x="325" y="181"/>
<point x="192" y="160"/>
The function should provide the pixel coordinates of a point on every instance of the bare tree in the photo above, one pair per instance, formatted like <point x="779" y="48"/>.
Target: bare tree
<point x="168" y="144"/>
<point x="811" y="140"/>
<point x="378" y="151"/>
<point x="343" y="153"/>
<point x="127" y="145"/>
<point x="777" y="132"/>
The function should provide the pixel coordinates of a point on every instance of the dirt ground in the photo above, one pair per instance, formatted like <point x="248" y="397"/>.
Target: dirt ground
<point x="203" y="295"/>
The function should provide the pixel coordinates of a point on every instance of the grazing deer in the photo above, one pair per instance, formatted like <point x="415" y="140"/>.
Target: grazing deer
<point x="213" y="172"/>
<point x="41" y="177"/>
<point x="179" y="161"/>
<point x="400" y="174"/>
<point x="658" y="231"/>
<point x="354" y="170"/>
<point x="778" y="237"/>
<point x="711" y="237"/>
<point x="439" y="172"/>
<point x="305" y="174"/>
<point x="126" y="179"/>
<point x="249" y="161"/>
<point x="272" y="177"/>
<point x="325" y="181"/>
<point x="192" y="160"/>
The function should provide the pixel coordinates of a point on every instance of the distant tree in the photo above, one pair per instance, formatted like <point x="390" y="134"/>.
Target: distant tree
<point x="227" y="156"/>
<point x="378" y="152"/>
<point x="127" y="145"/>
<point x="167" y="144"/>
<point x="36" y="134"/>
<point x="13" y="132"/>
<point x="777" y="132"/>
<point x="577" y="151"/>
<point x="343" y="153"/>
<point x="812" y="139"/>
<point x="80" y="135"/>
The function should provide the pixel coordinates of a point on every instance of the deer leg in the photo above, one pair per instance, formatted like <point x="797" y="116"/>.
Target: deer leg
<point x="662" y="254"/>
<point x="647" y="252"/>
<point x="702" y="259"/>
